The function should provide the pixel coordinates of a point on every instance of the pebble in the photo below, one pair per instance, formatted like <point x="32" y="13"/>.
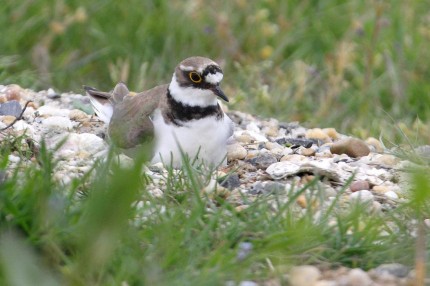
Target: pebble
<point x="318" y="133"/>
<point x="305" y="275"/>
<point x="395" y="269"/>
<point x="351" y="146"/>
<point x="375" y="144"/>
<point x="363" y="196"/>
<point x="359" y="185"/>
<point x="274" y="187"/>
<point x="295" y="142"/>
<point x="7" y="119"/>
<point x="230" y="182"/>
<point x="236" y="152"/>
<point x="78" y="115"/>
<point x="392" y="195"/>
<point x="57" y="122"/>
<point x="380" y="189"/>
<point x="13" y="92"/>
<point x="332" y="133"/>
<point x="307" y="152"/>
<point x="48" y="111"/>
<point x="358" y="277"/>
<point x="263" y="161"/>
<point x="12" y="108"/>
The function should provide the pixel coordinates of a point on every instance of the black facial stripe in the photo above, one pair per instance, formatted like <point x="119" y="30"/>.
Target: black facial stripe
<point x="211" y="69"/>
<point x="180" y="112"/>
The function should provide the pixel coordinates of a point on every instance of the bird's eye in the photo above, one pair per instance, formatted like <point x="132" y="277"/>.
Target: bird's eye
<point x="195" y="77"/>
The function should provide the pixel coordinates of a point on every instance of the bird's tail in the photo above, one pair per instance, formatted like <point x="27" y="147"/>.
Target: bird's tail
<point x="103" y="102"/>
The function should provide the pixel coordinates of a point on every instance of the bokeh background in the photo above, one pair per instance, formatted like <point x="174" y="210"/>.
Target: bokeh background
<point x="359" y="66"/>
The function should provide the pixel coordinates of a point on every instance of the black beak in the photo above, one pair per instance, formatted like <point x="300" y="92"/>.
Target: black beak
<point x="217" y="90"/>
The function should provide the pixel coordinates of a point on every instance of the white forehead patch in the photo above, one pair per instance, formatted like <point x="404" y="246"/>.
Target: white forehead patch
<point x="186" y="68"/>
<point x="214" y="78"/>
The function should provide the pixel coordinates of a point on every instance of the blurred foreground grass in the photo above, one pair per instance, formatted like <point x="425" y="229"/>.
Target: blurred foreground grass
<point x="116" y="233"/>
<point x="353" y="65"/>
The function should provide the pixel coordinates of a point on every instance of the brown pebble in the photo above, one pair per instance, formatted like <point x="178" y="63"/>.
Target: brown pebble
<point x="359" y="186"/>
<point x="3" y="98"/>
<point x="307" y="152"/>
<point x="331" y="132"/>
<point x="78" y="115"/>
<point x="7" y="119"/>
<point x="235" y="151"/>
<point x="352" y="147"/>
<point x="301" y="201"/>
<point x="380" y="189"/>
<point x="375" y="143"/>
<point x="13" y="92"/>
<point x="317" y="133"/>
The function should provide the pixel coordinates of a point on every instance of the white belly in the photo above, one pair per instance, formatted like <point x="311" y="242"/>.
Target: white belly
<point x="204" y="140"/>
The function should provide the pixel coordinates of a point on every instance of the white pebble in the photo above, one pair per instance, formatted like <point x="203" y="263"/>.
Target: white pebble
<point x="47" y="110"/>
<point x="391" y="195"/>
<point x="304" y="275"/>
<point x="363" y="196"/>
<point x="357" y="277"/>
<point x="57" y="122"/>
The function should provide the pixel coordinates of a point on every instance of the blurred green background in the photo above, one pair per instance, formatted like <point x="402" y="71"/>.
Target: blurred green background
<point x="359" y="66"/>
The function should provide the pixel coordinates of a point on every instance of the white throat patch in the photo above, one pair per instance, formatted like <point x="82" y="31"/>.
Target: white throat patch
<point x="190" y="95"/>
<point x="214" y="78"/>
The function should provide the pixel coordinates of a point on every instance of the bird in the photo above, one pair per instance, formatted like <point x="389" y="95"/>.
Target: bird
<point x="181" y="118"/>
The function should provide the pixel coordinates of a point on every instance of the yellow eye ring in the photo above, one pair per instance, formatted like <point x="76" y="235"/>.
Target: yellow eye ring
<point x="195" y="77"/>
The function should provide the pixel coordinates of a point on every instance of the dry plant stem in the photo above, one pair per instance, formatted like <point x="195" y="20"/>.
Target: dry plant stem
<point x="18" y="118"/>
<point x="420" y="255"/>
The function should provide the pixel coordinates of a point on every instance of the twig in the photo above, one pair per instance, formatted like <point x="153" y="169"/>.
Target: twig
<point x="17" y="118"/>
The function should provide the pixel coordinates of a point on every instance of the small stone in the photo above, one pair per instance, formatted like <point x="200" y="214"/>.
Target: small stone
<point x="263" y="161"/>
<point x="358" y="277"/>
<point x="256" y="188"/>
<point x="78" y="115"/>
<point x="13" y="92"/>
<point x="304" y="275"/>
<point x="248" y="283"/>
<point x="375" y="144"/>
<point x="52" y="94"/>
<point x="380" y="189"/>
<point x="331" y="132"/>
<point x="317" y="133"/>
<point x="326" y="283"/>
<point x="395" y="269"/>
<point x="244" y="249"/>
<point x="244" y="138"/>
<point x="391" y="195"/>
<point x="386" y="160"/>
<point x="293" y="158"/>
<point x="302" y="202"/>
<point x="307" y="152"/>
<point x="274" y="187"/>
<point x="363" y="196"/>
<point x="351" y="146"/>
<point x="12" y="108"/>
<point x="359" y="185"/>
<point x="271" y="145"/>
<point x="47" y="110"/>
<point x="236" y="152"/>
<point x="271" y="131"/>
<point x="230" y="182"/>
<point x="7" y="119"/>
<point x="57" y="122"/>
<point x="295" y="142"/>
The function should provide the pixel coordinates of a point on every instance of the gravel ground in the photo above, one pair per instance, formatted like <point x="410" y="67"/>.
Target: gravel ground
<point x="265" y="157"/>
